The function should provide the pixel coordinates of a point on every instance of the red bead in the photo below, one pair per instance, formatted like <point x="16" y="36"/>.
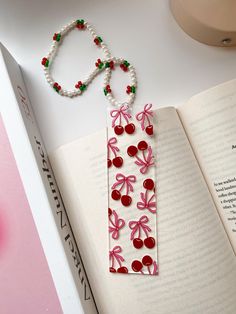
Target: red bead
<point x="130" y="128"/>
<point x="112" y="270"/>
<point x="142" y="145"/>
<point x="123" y="270"/>
<point x="149" y="242"/>
<point x="118" y="162"/>
<point x="136" y="266"/>
<point x="132" y="150"/>
<point x="149" y="130"/>
<point x="119" y="129"/>
<point x="126" y="200"/>
<point x="109" y="163"/>
<point x="148" y="184"/>
<point x="147" y="260"/>
<point x="109" y="211"/>
<point x="138" y="243"/>
<point x="115" y="195"/>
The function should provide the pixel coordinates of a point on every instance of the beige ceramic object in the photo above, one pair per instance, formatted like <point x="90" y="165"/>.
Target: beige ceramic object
<point x="212" y="22"/>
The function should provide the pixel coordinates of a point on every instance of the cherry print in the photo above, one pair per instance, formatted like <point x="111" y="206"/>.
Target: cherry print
<point x="148" y="184"/>
<point x="115" y="194"/>
<point x="112" y="148"/>
<point x="109" y="211"/>
<point x="126" y="200"/>
<point x="142" y="145"/>
<point x="122" y="270"/>
<point x="147" y="260"/>
<point x="149" y="242"/>
<point x="116" y="258"/>
<point x="147" y="158"/>
<point x="130" y="128"/>
<point x="137" y="243"/>
<point x="119" y="129"/>
<point x="120" y="115"/>
<point x="115" y="224"/>
<point x="118" y="162"/>
<point x="132" y="150"/>
<point x="147" y="202"/>
<point x="109" y="163"/>
<point x="141" y="226"/>
<point x="136" y="266"/>
<point x="144" y="116"/>
<point x="149" y="129"/>
<point x="123" y="182"/>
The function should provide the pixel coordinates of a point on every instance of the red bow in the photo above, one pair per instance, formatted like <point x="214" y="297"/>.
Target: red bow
<point x="123" y="180"/>
<point x="120" y="113"/>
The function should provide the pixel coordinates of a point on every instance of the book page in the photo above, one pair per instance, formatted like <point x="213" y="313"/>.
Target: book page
<point x="209" y="119"/>
<point x="197" y="263"/>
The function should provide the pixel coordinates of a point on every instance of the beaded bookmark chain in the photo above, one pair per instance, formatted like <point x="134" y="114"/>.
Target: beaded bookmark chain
<point x="130" y="161"/>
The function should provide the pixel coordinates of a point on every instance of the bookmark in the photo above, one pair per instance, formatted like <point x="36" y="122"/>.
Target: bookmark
<point x="132" y="211"/>
<point x="132" y="208"/>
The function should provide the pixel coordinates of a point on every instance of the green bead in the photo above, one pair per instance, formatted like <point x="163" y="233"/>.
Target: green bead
<point x="101" y="65"/>
<point x="105" y="92"/>
<point x="100" y="39"/>
<point x="58" y="37"/>
<point x="82" y="87"/>
<point x="47" y="63"/>
<point x="133" y="89"/>
<point x="82" y="21"/>
<point x="107" y="65"/>
<point x="126" y="63"/>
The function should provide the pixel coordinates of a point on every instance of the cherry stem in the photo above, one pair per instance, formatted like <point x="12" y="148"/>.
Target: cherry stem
<point x="149" y="270"/>
<point x="149" y="123"/>
<point x="111" y="222"/>
<point x="144" y="157"/>
<point x="141" y="272"/>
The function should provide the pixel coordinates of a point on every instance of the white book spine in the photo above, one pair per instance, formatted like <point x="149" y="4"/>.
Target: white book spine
<point x="50" y="216"/>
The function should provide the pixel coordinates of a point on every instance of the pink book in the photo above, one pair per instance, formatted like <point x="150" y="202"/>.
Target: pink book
<point x="26" y="284"/>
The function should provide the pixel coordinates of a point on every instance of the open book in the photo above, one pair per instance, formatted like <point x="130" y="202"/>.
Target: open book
<point x="196" y="193"/>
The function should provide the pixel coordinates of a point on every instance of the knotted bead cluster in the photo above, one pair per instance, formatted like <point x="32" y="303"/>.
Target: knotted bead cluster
<point x="107" y="64"/>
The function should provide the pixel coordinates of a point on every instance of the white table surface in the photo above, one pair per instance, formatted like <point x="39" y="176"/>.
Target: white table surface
<point x="171" y="67"/>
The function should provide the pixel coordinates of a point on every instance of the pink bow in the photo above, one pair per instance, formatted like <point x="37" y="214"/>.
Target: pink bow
<point x="117" y="225"/>
<point x="111" y="146"/>
<point x="137" y="226"/>
<point x="120" y="113"/>
<point x="115" y="256"/>
<point x="147" y="162"/>
<point x="147" y="204"/>
<point x="123" y="180"/>
<point x="145" y="114"/>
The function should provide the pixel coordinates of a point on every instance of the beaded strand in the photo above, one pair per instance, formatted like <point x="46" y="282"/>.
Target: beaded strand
<point x="107" y="64"/>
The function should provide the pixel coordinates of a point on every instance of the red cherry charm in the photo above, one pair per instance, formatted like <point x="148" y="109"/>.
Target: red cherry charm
<point x="147" y="260"/>
<point x="118" y="162"/>
<point x="138" y="243"/>
<point x="132" y="150"/>
<point x="119" y="129"/>
<point x="148" y="184"/>
<point x="126" y="200"/>
<point x="142" y="145"/>
<point x="115" y="195"/>
<point x="136" y="266"/>
<point x="112" y="270"/>
<point x="149" y="129"/>
<point x="122" y="270"/>
<point x="130" y="128"/>
<point x="149" y="242"/>
<point x="109" y="163"/>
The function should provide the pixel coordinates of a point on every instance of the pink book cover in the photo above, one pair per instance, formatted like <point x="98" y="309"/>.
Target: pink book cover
<point x="26" y="284"/>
